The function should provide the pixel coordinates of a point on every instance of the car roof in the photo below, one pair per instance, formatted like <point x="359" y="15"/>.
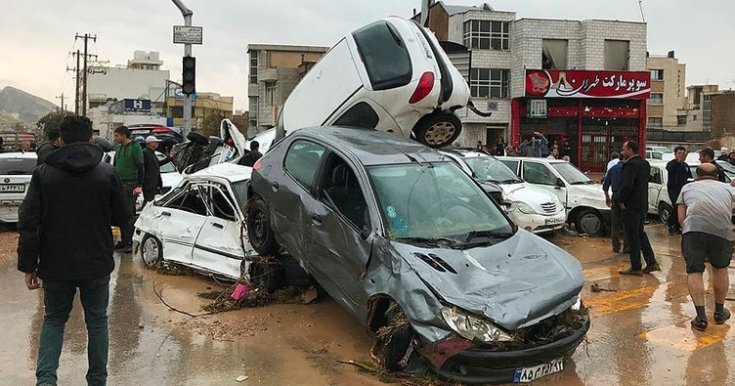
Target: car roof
<point x="372" y="147"/>
<point x="17" y="154"/>
<point x="229" y="171"/>
<point x="538" y="159"/>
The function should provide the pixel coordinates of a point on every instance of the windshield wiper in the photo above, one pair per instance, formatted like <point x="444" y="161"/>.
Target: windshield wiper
<point x="438" y="242"/>
<point x="509" y="181"/>
<point x="488" y="234"/>
<point x="580" y="182"/>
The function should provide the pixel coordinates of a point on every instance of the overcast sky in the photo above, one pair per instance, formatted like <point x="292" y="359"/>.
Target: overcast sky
<point x="36" y="36"/>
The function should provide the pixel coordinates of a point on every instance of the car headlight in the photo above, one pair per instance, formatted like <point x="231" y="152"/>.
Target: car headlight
<point x="523" y="207"/>
<point x="472" y="327"/>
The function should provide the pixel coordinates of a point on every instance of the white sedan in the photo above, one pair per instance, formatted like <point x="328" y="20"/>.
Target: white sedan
<point x="16" y="170"/>
<point x="199" y="224"/>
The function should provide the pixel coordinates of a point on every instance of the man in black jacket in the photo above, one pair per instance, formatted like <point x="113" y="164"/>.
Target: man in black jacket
<point x="678" y="176"/>
<point x="707" y="155"/>
<point x="66" y="241"/>
<point x="633" y="197"/>
<point x="152" y="182"/>
<point x="47" y="147"/>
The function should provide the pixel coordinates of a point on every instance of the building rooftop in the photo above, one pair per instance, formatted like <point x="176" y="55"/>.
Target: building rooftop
<point x="285" y="47"/>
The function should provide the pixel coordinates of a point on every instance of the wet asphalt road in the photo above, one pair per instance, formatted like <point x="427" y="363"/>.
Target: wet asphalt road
<point x="640" y="331"/>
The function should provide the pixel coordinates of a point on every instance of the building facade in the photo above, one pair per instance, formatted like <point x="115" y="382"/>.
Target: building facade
<point x="668" y="91"/>
<point x="274" y="71"/>
<point x="203" y="106"/>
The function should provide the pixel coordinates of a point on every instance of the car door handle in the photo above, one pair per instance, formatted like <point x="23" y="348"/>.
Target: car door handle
<point x="275" y="186"/>
<point x="216" y="225"/>
<point x="317" y="219"/>
<point x="166" y="214"/>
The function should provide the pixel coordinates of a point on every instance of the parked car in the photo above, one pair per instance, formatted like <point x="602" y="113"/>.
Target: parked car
<point x="530" y="207"/>
<point x="198" y="224"/>
<point x="16" y="170"/>
<point x="728" y="167"/>
<point x="391" y="75"/>
<point x="402" y="238"/>
<point x="583" y="198"/>
<point x="170" y="177"/>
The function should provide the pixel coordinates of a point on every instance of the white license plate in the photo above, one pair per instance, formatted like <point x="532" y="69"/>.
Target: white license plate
<point x="529" y="374"/>
<point x="12" y="188"/>
<point x="553" y="221"/>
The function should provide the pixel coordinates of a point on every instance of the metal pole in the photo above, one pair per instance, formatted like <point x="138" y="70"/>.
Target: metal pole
<point x="76" y="96"/>
<point x="187" y="13"/>
<point x="84" y="79"/>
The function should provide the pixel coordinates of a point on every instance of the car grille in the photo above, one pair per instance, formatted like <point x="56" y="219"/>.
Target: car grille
<point x="549" y="207"/>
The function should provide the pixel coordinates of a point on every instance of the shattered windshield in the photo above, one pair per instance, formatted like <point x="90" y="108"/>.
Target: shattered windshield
<point x="434" y="202"/>
<point x="571" y="174"/>
<point x="490" y="169"/>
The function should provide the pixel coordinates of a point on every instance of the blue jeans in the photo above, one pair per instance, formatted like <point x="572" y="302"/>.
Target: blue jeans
<point x="58" y="298"/>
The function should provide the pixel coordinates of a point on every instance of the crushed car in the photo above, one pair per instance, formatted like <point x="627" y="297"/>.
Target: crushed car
<point x="414" y="248"/>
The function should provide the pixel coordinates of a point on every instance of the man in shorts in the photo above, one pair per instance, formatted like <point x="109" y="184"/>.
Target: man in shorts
<point x="705" y="210"/>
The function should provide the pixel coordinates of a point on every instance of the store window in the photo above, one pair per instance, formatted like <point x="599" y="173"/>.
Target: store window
<point x="489" y="82"/>
<point x="537" y="108"/>
<point x="655" y="122"/>
<point x="554" y="54"/>
<point x="487" y="34"/>
<point x="617" y="55"/>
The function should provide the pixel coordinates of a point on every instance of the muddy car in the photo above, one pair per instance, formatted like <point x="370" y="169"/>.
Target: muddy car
<point x="391" y="75"/>
<point x="415" y="249"/>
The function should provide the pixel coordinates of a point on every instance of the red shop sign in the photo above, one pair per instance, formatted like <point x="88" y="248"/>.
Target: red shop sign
<point x="588" y="84"/>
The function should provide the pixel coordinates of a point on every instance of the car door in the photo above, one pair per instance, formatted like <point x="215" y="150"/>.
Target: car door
<point x="180" y="219"/>
<point x="655" y="187"/>
<point x="337" y="254"/>
<point x="541" y="175"/>
<point x="218" y="247"/>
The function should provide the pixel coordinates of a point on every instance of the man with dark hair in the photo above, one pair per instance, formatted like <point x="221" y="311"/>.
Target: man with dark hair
<point x="678" y="176"/>
<point x="252" y="156"/>
<point x="707" y="155"/>
<point x="152" y="182"/>
<point x="47" y="147"/>
<point x="613" y="179"/>
<point x="614" y="160"/>
<point x="705" y="210"/>
<point x="65" y="240"/>
<point x="129" y="165"/>
<point x="634" y="202"/>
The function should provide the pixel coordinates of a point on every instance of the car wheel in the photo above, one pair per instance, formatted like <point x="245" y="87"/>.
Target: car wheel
<point x="438" y="129"/>
<point x="151" y="251"/>
<point x="665" y="211"/>
<point x="260" y="231"/>
<point x="589" y="222"/>
<point x="394" y="341"/>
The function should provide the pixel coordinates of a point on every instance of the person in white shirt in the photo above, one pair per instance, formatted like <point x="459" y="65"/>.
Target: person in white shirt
<point x="615" y="158"/>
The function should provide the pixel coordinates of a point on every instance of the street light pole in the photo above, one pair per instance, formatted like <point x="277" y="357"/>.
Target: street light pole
<point x="187" y="13"/>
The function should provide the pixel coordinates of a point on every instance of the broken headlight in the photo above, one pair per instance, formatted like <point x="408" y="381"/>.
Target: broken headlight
<point x="473" y="327"/>
<point x="523" y="207"/>
<point x="578" y="304"/>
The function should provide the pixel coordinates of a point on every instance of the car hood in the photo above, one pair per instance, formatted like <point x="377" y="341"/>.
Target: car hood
<point x="589" y="195"/>
<point x="515" y="283"/>
<point x="531" y="195"/>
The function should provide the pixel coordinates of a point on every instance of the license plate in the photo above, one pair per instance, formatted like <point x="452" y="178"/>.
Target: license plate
<point x="529" y="374"/>
<point x="553" y="221"/>
<point x="12" y="188"/>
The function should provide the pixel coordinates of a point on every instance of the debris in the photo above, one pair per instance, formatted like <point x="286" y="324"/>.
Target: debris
<point x="596" y="288"/>
<point x="309" y="295"/>
<point x="240" y="291"/>
<point x="241" y="378"/>
<point x="256" y="297"/>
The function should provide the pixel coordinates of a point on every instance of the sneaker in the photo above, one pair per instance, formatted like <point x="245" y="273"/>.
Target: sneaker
<point x="722" y="317"/>
<point x="631" y="272"/>
<point x="651" y="268"/>
<point x="699" y="324"/>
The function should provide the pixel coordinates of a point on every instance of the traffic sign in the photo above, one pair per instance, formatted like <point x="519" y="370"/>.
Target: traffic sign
<point x="188" y="35"/>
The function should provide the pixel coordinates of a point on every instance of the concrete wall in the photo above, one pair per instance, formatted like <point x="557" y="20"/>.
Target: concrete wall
<point x="723" y="114"/>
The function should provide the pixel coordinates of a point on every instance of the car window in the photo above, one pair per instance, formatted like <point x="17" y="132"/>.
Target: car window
<point x="538" y="173"/>
<point x="302" y="161"/>
<point x="360" y="115"/>
<point x="511" y="164"/>
<point x="189" y="200"/>
<point x="341" y="191"/>
<point x="218" y="202"/>
<point x="487" y="168"/>
<point x="17" y="166"/>
<point x="571" y="174"/>
<point x="655" y="175"/>
<point x="241" y="192"/>
<point x="384" y="54"/>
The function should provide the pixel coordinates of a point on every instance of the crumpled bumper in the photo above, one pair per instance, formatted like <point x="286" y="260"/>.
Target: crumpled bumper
<point x="538" y="223"/>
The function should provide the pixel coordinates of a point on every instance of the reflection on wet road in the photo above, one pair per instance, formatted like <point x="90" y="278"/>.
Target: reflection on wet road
<point x="640" y="331"/>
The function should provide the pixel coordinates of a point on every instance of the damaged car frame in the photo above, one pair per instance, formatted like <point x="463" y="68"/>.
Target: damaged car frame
<point x="414" y="248"/>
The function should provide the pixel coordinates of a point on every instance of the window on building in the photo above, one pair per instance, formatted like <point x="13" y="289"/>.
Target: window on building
<point x="694" y="117"/>
<point x="656" y="99"/>
<point x="554" y="54"/>
<point x="489" y="82"/>
<point x="657" y="74"/>
<point x="617" y="55"/>
<point x="270" y="92"/>
<point x="655" y="122"/>
<point x="253" y="67"/>
<point x="253" y="111"/>
<point x="537" y="108"/>
<point x="486" y="34"/>
<point x="681" y="119"/>
<point x="696" y="95"/>
<point x="707" y="112"/>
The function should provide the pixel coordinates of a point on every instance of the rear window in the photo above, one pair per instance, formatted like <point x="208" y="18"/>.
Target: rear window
<point x="384" y="54"/>
<point x="360" y="115"/>
<point x="16" y="166"/>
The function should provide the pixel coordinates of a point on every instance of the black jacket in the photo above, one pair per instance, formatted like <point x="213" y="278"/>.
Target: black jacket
<point x="43" y="152"/>
<point x="151" y="170"/>
<point x="250" y="158"/>
<point x="66" y="218"/>
<point x="678" y="176"/>
<point x="634" y="187"/>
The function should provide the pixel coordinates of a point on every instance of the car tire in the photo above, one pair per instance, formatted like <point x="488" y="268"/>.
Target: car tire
<point x="260" y="231"/>
<point x="438" y="129"/>
<point x="392" y="347"/>
<point x="589" y="222"/>
<point x="665" y="211"/>
<point x="151" y="251"/>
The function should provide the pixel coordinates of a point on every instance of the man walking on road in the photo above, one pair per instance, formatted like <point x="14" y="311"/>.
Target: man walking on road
<point x="129" y="165"/>
<point x="152" y="182"/>
<point x="678" y="176"/>
<point x="47" y="147"/>
<point x="705" y="210"/>
<point x="66" y="241"/>
<point x="633" y="198"/>
<point x="613" y="179"/>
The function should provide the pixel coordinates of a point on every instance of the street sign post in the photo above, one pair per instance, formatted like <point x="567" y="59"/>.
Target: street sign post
<point x="187" y="34"/>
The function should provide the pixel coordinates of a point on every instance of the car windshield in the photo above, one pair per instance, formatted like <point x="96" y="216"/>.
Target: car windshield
<point x="427" y="203"/>
<point x="571" y="174"/>
<point x="16" y="166"/>
<point x="490" y="169"/>
<point x="385" y="56"/>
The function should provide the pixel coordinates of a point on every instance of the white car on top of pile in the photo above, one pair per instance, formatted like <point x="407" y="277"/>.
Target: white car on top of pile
<point x="16" y="170"/>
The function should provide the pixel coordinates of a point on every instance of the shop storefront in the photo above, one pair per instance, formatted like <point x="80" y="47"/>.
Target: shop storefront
<point x="586" y="114"/>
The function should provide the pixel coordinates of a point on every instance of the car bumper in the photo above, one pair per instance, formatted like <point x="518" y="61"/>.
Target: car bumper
<point x="538" y="223"/>
<point x="9" y="214"/>
<point x="478" y="366"/>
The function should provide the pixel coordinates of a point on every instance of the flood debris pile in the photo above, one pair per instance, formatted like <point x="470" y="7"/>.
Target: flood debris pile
<point x="550" y="329"/>
<point x="223" y="301"/>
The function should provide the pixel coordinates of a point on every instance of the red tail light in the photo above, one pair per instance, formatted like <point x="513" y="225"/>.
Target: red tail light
<point x="256" y="165"/>
<point x="426" y="84"/>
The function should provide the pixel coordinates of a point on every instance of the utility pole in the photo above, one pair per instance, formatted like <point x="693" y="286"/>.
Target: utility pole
<point x="63" y="109"/>
<point x="187" y="14"/>
<point x="76" y="83"/>
<point x="86" y="38"/>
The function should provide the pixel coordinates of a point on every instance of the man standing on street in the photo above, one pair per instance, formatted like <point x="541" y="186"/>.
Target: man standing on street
<point x="707" y="155"/>
<point x="614" y="160"/>
<point x="705" y="210"/>
<point x="66" y="241"/>
<point x="613" y="178"/>
<point x="152" y="182"/>
<point x="678" y="176"/>
<point x="129" y="165"/>
<point x="252" y="156"/>
<point x="47" y="147"/>
<point x="633" y="197"/>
